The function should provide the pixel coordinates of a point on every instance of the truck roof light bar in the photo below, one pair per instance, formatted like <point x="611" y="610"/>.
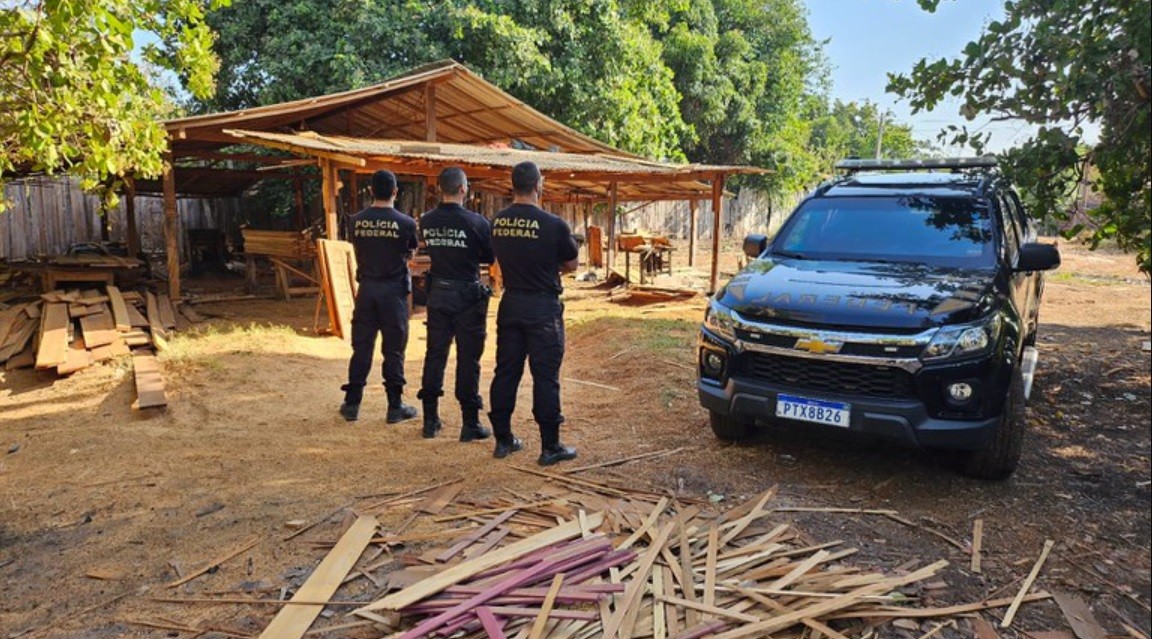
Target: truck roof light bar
<point x="982" y="162"/>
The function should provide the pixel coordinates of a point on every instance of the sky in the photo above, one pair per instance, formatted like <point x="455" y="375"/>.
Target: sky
<point x="867" y="39"/>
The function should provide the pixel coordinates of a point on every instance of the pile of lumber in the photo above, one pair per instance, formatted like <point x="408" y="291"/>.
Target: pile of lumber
<point x="638" y="294"/>
<point x="288" y="244"/>
<point x="636" y="569"/>
<point x="582" y="559"/>
<point x="64" y="332"/>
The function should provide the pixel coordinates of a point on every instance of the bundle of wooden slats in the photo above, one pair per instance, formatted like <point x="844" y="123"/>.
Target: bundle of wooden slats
<point x="582" y="559"/>
<point x="287" y="244"/>
<point x="614" y="563"/>
<point x="67" y="331"/>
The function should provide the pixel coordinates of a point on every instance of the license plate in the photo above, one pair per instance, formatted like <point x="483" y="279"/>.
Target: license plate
<point x="813" y="410"/>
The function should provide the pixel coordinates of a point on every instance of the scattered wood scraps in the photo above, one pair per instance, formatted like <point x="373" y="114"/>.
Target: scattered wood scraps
<point x="581" y="560"/>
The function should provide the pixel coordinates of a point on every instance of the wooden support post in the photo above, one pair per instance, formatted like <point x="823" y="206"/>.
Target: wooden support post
<point x="133" y="234"/>
<point x="105" y="223"/>
<point x="171" y="228"/>
<point x="298" y="189"/>
<point x="429" y="113"/>
<point x="353" y="192"/>
<point x="692" y="208"/>
<point x="328" y="189"/>
<point x="587" y="236"/>
<point x="717" y="226"/>
<point x="612" y="202"/>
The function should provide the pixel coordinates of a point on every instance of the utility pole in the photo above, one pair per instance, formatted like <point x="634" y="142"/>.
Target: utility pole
<point x="880" y="136"/>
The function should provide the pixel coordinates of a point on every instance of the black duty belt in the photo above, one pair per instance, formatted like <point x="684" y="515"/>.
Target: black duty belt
<point x="531" y="292"/>
<point x="380" y="280"/>
<point x="454" y="285"/>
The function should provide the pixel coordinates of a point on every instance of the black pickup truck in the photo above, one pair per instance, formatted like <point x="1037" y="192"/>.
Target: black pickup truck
<point x="899" y="300"/>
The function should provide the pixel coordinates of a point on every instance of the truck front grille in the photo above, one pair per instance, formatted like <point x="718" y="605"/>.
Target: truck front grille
<point x="831" y="376"/>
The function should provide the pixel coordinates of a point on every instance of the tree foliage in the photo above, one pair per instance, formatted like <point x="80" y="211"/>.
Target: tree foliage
<point x="704" y="80"/>
<point x="1060" y="66"/>
<point x="585" y="63"/>
<point x="716" y="81"/>
<point x="73" y="99"/>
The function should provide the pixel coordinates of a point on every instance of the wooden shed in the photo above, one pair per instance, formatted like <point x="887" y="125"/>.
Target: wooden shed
<point x="437" y="115"/>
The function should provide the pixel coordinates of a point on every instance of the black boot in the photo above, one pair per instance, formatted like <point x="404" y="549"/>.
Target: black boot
<point x="398" y="411"/>
<point x="556" y="453"/>
<point x="507" y="447"/>
<point x="472" y="430"/>
<point x="350" y="409"/>
<point x="350" y="412"/>
<point x="432" y="423"/>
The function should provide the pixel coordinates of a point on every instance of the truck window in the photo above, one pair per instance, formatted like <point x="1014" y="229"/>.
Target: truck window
<point x="945" y="231"/>
<point x="1011" y="231"/>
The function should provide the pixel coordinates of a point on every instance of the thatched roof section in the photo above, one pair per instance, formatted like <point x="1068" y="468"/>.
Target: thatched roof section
<point x="575" y="176"/>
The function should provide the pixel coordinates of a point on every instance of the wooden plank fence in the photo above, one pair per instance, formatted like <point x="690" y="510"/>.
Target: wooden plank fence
<point x="45" y="215"/>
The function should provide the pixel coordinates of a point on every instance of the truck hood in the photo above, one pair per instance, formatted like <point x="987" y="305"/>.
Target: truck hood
<point x="904" y="297"/>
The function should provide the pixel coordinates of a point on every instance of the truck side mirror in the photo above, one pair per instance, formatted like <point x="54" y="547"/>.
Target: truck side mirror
<point x="755" y="245"/>
<point x="1035" y="256"/>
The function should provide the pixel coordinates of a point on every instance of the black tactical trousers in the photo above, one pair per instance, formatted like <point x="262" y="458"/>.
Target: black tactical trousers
<point x="381" y="307"/>
<point x="457" y="310"/>
<point x="528" y="326"/>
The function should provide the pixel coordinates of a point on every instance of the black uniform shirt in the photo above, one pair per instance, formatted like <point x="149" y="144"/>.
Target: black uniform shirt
<point x="457" y="240"/>
<point x="530" y="245"/>
<point x="383" y="238"/>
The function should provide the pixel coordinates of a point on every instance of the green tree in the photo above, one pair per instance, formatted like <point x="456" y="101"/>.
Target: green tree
<point x="585" y="63"/>
<point x="851" y="129"/>
<point x="743" y="68"/>
<point x="72" y="97"/>
<point x="1060" y="66"/>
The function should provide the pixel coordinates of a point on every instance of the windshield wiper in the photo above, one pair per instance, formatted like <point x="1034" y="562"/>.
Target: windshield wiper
<point x="792" y="254"/>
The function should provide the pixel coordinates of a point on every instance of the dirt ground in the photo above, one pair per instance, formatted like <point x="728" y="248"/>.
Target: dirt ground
<point x="100" y="506"/>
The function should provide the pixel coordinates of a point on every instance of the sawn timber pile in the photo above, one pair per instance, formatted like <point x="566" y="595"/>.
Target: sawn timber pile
<point x="581" y="559"/>
<point x="64" y="332"/>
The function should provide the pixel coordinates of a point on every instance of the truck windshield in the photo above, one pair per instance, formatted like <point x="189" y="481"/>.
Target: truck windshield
<point x="944" y="231"/>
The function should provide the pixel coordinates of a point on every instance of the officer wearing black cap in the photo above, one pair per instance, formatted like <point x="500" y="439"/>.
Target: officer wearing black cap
<point x="532" y="248"/>
<point x="383" y="238"/>
<point x="458" y="241"/>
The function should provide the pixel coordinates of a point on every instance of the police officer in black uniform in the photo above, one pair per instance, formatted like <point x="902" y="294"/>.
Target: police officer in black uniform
<point x="383" y="238"/>
<point x="532" y="248"/>
<point x="458" y="241"/>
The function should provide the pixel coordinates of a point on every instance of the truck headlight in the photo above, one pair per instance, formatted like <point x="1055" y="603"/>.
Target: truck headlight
<point x="963" y="339"/>
<point x="713" y="363"/>
<point x="719" y="320"/>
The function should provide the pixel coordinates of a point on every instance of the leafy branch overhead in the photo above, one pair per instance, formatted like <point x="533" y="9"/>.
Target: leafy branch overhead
<point x="74" y="98"/>
<point x="1061" y="66"/>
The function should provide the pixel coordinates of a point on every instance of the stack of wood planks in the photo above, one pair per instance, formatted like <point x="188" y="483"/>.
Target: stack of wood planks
<point x="582" y="559"/>
<point x="632" y="568"/>
<point x="66" y="331"/>
<point x="287" y="244"/>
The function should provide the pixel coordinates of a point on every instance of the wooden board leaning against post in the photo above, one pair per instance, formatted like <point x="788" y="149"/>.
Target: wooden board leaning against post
<point x="338" y="274"/>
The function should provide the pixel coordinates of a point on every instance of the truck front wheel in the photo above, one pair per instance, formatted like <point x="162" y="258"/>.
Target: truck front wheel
<point x="731" y="428"/>
<point x="1001" y="457"/>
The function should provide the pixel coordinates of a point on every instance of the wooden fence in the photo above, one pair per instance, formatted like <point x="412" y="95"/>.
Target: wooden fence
<point x="47" y="215"/>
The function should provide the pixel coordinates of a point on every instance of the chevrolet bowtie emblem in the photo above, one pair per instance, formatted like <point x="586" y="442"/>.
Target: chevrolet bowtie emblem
<point x="818" y="346"/>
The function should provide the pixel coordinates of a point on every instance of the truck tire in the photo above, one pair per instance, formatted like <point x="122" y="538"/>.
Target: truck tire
<point x="1001" y="457"/>
<point x="730" y="428"/>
